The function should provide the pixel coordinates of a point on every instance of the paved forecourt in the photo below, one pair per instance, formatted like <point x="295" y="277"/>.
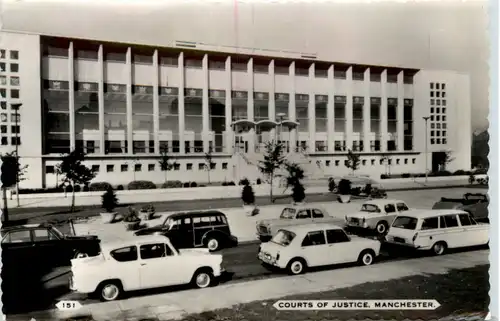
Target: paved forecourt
<point x="175" y="305"/>
<point x="243" y="226"/>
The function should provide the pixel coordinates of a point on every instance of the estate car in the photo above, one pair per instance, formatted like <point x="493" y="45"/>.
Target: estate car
<point x="208" y="229"/>
<point x="142" y="263"/>
<point x="437" y="230"/>
<point x="295" y="248"/>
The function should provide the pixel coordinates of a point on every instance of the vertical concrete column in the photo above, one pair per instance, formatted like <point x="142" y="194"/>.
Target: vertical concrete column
<point x="366" y="111"/>
<point x="311" y="112"/>
<point x="205" y="102"/>
<point x="250" y="114"/>
<point x="292" y="109"/>
<point x="71" y="89"/>
<point x="100" y="95"/>
<point x="348" y="110"/>
<point x="130" y="120"/>
<point x="228" y="109"/>
<point x="330" y="112"/>
<point x="383" y="112"/>
<point x="272" y="99"/>
<point x="181" y="102"/>
<point x="156" y="103"/>
<point x="400" y="113"/>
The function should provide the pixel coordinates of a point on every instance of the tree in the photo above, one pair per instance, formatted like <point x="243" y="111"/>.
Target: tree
<point x="10" y="166"/>
<point x="247" y="194"/>
<point x="353" y="161"/>
<point x="447" y="158"/>
<point x="73" y="172"/>
<point x="109" y="200"/>
<point x="295" y="174"/>
<point x="209" y="163"/>
<point x="166" y="162"/>
<point x="273" y="161"/>
<point x="298" y="192"/>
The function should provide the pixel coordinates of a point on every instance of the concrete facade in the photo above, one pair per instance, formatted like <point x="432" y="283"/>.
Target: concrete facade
<point x="125" y="104"/>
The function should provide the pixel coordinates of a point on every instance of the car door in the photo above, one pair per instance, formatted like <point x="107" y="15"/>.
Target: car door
<point x="474" y="234"/>
<point x="452" y="231"/>
<point x="317" y="215"/>
<point x="47" y="246"/>
<point x="127" y="268"/>
<point x="18" y="249"/>
<point x="176" y="233"/>
<point x="340" y="247"/>
<point x="201" y="226"/>
<point x="156" y="268"/>
<point x="314" y="248"/>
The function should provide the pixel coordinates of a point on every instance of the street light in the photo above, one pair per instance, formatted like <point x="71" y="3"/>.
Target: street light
<point x="426" y="118"/>
<point x="16" y="107"/>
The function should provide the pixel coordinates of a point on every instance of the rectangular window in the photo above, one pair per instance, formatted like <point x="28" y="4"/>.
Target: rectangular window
<point x="110" y="168"/>
<point x="151" y="167"/>
<point x="430" y="223"/>
<point x="314" y="238"/>
<point x="336" y="236"/>
<point x="124" y="167"/>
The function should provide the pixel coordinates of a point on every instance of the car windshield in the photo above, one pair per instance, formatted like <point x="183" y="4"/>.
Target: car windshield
<point x="405" y="222"/>
<point x="58" y="233"/>
<point x="288" y="213"/>
<point x="283" y="237"/>
<point x="370" y="208"/>
<point x="169" y="223"/>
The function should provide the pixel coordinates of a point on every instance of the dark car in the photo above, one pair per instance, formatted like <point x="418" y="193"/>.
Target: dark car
<point x="475" y="204"/>
<point x="195" y="229"/>
<point x="39" y="244"/>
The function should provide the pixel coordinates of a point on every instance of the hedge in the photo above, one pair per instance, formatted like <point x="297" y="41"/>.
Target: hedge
<point x="134" y="185"/>
<point x="99" y="186"/>
<point x="171" y="184"/>
<point x="459" y="172"/>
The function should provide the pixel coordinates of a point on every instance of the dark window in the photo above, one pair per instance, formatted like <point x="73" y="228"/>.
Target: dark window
<point x="314" y="238"/>
<point x="95" y="168"/>
<point x="137" y="167"/>
<point x="17" y="237"/>
<point x="402" y="206"/>
<point x="14" y="93"/>
<point x="110" y="168"/>
<point x="14" y="68"/>
<point x="304" y="214"/>
<point x="336" y="236"/>
<point x="464" y="219"/>
<point x="451" y="220"/>
<point x="124" y="167"/>
<point x="14" y="54"/>
<point x="153" y="251"/>
<point x="50" y="169"/>
<point x="317" y="213"/>
<point x="151" y="167"/>
<point x="430" y="223"/>
<point x="224" y="165"/>
<point x="390" y="208"/>
<point x="40" y="235"/>
<point x="125" y="254"/>
<point x="15" y="141"/>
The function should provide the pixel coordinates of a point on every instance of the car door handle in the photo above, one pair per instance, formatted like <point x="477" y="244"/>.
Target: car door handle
<point x="142" y="264"/>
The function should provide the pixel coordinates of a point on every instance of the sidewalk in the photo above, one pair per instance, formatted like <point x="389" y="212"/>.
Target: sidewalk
<point x="175" y="305"/>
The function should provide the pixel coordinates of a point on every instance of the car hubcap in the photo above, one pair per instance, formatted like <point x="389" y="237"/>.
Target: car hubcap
<point x="381" y="228"/>
<point x="297" y="267"/>
<point x="202" y="280"/>
<point x="110" y="292"/>
<point x="367" y="259"/>
<point x="438" y="248"/>
<point x="213" y="244"/>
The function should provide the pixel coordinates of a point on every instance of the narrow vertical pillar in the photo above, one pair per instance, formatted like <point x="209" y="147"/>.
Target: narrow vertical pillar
<point x="330" y="112"/>
<point x="100" y="95"/>
<point x="348" y="110"/>
<point x="383" y="112"/>
<point x="292" y="109"/>
<point x="228" y="109"/>
<point x="205" y="105"/>
<point x="130" y="119"/>
<point x="156" y="103"/>
<point x="250" y="114"/>
<point x="366" y="111"/>
<point x="311" y="112"/>
<point x="272" y="99"/>
<point x="400" y="113"/>
<point x="71" y="89"/>
<point x="181" y="103"/>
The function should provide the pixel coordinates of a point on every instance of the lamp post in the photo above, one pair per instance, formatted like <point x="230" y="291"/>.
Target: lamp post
<point x="16" y="107"/>
<point x="426" y="118"/>
<point x="280" y="117"/>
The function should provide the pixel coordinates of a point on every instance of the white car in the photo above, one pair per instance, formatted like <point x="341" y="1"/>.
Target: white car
<point x="376" y="215"/>
<point x="296" y="248"/>
<point x="437" y="230"/>
<point x="142" y="263"/>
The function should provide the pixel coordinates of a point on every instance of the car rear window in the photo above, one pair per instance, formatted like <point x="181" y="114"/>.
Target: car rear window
<point x="283" y="237"/>
<point x="125" y="254"/>
<point x="405" y="222"/>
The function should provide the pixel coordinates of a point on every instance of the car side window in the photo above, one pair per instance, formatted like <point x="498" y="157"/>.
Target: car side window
<point x="390" y="208"/>
<point x="125" y="254"/>
<point x="187" y="222"/>
<point x="472" y="220"/>
<point x="317" y="213"/>
<point x="223" y="219"/>
<point x="464" y="219"/>
<point x="153" y="251"/>
<point x="17" y="237"/>
<point x="402" y="207"/>
<point x="40" y="235"/>
<point x="336" y="236"/>
<point x="314" y="238"/>
<point x="430" y="223"/>
<point x="304" y="214"/>
<point x="168" y="250"/>
<point x="451" y="220"/>
<point x="442" y="222"/>
<point x="176" y="224"/>
<point x="200" y="222"/>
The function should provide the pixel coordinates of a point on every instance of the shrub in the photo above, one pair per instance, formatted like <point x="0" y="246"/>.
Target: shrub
<point x="109" y="201"/>
<point x="356" y="191"/>
<point x="460" y="172"/>
<point x="244" y="182"/>
<point x="384" y="176"/>
<point x="258" y="182"/>
<point x="86" y="188"/>
<point x="331" y="185"/>
<point x="247" y="195"/>
<point x="231" y="184"/>
<point x="120" y="187"/>
<point x="141" y="185"/>
<point x="41" y="190"/>
<point x="194" y="184"/>
<point x="406" y="175"/>
<point x="131" y="215"/>
<point x="224" y="183"/>
<point x="99" y="186"/>
<point x="298" y="192"/>
<point x="344" y="187"/>
<point x="442" y="173"/>
<point x="149" y="208"/>
<point x="78" y="188"/>
<point x="186" y="184"/>
<point x="171" y="184"/>
<point x="69" y="188"/>
<point x="368" y="189"/>
<point x="202" y="186"/>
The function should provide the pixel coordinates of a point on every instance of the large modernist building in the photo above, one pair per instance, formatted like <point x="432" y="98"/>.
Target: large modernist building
<point x="125" y="104"/>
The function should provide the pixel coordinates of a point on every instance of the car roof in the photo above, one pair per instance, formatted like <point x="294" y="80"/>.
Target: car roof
<point x="24" y="226"/>
<point x="195" y="214"/>
<point x="131" y="241"/>
<point x="308" y="227"/>
<point x="383" y="201"/>
<point x="304" y="206"/>
<point x="431" y="213"/>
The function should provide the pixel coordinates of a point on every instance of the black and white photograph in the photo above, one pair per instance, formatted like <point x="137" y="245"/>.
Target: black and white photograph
<point x="245" y="160"/>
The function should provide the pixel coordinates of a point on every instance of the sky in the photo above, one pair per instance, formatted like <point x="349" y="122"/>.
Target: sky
<point x="446" y="34"/>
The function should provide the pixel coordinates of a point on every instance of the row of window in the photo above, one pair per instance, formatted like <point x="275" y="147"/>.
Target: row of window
<point x="14" y="67"/>
<point x="439" y="141"/>
<point x="438" y="102"/>
<point x="364" y="162"/>
<point x="13" y="54"/>
<point x="437" y="86"/>
<point x="438" y="94"/>
<point x="14" y="81"/>
<point x="13" y="93"/>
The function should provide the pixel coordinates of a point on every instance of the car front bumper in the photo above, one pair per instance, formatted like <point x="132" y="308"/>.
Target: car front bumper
<point x="271" y="261"/>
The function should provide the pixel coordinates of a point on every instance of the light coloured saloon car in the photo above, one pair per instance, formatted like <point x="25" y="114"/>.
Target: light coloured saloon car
<point x="296" y="248"/>
<point x="376" y="215"/>
<point x="142" y="263"/>
<point x="437" y="230"/>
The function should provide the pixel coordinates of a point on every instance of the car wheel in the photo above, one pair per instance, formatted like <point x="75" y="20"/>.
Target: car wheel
<point x="202" y="278"/>
<point x="79" y="255"/>
<point x="213" y="244"/>
<point x="381" y="228"/>
<point x="110" y="291"/>
<point x="439" y="248"/>
<point x="366" y="257"/>
<point x="296" y="266"/>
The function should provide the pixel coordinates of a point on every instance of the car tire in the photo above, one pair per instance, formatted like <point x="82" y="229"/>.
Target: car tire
<point x="366" y="258"/>
<point x="212" y="244"/>
<point x="296" y="266"/>
<point x="439" y="248"/>
<point x="109" y="290"/>
<point x="382" y="227"/>
<point x="202" y="278"/>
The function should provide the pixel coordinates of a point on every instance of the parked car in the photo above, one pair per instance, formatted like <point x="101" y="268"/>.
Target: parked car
<point x="143" y="263"/>
<point x="45" y="244"/>
<point x="474" y="203"/>
<point x="296" y="248"/>
<point x="437" y="230"/>
<point x="292" y="215"/>
<point x="376" y="215"/>
<point x="208" y="229"/>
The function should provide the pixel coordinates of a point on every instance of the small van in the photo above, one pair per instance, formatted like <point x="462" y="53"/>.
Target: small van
<point x="437" y="230"/>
